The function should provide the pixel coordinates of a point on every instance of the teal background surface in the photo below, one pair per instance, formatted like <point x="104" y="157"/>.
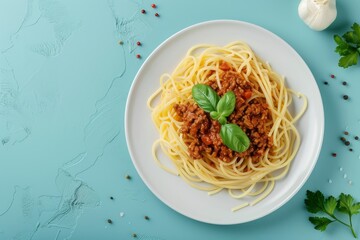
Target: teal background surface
<point x="64" y="80"/>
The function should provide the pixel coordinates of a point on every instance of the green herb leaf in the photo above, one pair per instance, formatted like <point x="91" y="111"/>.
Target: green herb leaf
<point x="320" y="223"/>
<point x="353" y="36"/>
<point x="234" y="138"/>
<point x="214" y="115"/>
<point x="226" y="104"/>
<point x="314" y="202"/>
<point x="346" y="204"/>
<point x="349" y="60"/>
<point x="339" y="40"/>
<point x="205" y="97"/>
<point x="343" y="47"/>
<point x="222" y="120"/>
<point x="356" y="28"/>
<point x="348" y="46"/>
<point x="330" y="205"/>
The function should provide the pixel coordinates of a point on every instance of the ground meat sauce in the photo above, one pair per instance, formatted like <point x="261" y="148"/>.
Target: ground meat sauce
<point x="202" y="134"/>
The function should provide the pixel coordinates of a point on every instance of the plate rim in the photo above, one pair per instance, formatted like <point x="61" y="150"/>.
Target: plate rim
<point x="321" y="120"/>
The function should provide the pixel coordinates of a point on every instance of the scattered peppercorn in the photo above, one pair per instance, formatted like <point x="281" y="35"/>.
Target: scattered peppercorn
<point x="138" y="56"/>
<point x="138" y="43"/>
<point x="153" y="5"/>
<point x="356" y="138"/>
<point x="112" y="198"/>
<point x="332" y="76"/>
<point x="128" y="177"/>
<point x="134" y="235"/>
<point x="347" y="143"/>
<point x="345" y="97"/>
<point x="109" y="221"/>
<point x="346" y="133"/>
<point x="350" y="149"/>
<point x="343" y="139"/>
<point x="344" y="83"/>
<point x="146" y="217"/>
<point x="333" y="154"/>
<point x="143" y="11"/>
<point x="326" y="83"/>
<point x="157" y="15"/>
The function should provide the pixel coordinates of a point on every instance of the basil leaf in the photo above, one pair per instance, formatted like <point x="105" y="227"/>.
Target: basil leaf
<point x="222" y="120"/>
<point x="226" y="104"/>
<point x="234" y="138"/>
<point x="214" y="115"/>
<point x="205" y="97"/>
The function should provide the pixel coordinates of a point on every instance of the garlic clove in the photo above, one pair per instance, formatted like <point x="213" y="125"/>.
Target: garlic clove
<point x="317" y="14"/>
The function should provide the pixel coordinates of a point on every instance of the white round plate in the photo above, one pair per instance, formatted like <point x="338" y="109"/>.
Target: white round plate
<point x="141" y="132"/>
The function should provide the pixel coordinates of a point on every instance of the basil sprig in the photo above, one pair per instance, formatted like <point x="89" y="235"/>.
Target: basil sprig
<point x="220" y="108"/>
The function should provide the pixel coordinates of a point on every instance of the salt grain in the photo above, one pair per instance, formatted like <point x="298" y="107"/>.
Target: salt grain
<point x="330" y="181"/>
<point x="122" y="214"/>
<point x="345" y="175"/>
<point x="340" y="169"/>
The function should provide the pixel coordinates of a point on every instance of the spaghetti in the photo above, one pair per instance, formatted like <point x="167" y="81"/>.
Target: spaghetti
<point x="244" y="176"/>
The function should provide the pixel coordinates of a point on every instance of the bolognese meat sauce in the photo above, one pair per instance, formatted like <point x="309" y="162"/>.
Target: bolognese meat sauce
<point x="201" y="132"/>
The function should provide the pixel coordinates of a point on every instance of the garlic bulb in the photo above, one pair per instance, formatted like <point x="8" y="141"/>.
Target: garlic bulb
<point x="317" y="14"/>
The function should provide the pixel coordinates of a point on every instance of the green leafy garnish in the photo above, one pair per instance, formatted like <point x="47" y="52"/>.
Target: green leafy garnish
<point x="226" y="104"/>
<point x="234" y="137"/>
<point x="220" y="108"/>
<point x="205" y="97"/>
<point x="315" y="202"/>
<point x="320" y="223"/>
<point x="348" y="46"/>
<point x="347" y="205"/>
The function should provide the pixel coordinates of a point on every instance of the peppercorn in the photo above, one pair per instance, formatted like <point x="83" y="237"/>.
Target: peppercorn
<point x="356" y="138"/>
<point x="138" y="56"/>
<point x="153" y="5"/>
<point x="138" y="43"/>
<point x="347" y="143"/>
<point x="350" y="149"/>
<point x="134" y="235"/>
<point x="157" y="15"/>
<point x="109" y="221"/>
<point x="326" y="83"/>
<point x="332" y="76"/>
<point x="343" y="139"/>
<point x="346" y="133"/>
<point x="333" y="154"/>
<point x="344" y="83"/>
<point x="143" y="11"/>
<point x="345" y="97"/>
<point x="128" y="177"/>
<point x="146" y="218"/>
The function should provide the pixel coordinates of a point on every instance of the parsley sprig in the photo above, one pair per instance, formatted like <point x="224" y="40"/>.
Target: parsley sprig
<point x="348" y="46"/>
<point x="316" y="203"/>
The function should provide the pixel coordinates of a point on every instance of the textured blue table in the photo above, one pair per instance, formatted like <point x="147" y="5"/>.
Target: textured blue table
<point x="64" y="80"/>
